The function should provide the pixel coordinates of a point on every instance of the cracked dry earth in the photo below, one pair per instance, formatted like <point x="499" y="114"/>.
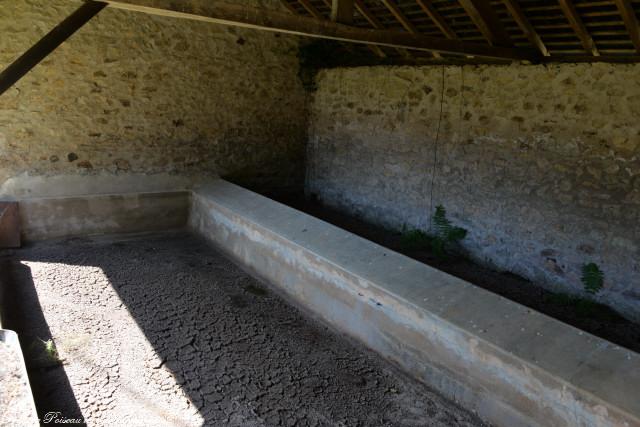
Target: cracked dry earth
<point x="159" y="330"/>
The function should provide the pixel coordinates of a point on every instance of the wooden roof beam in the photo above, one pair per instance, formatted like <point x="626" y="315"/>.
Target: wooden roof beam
<point x="373" y="21"/>
<point x="261" y="18"/>
<point x="342" y="11"/>
<point x="406" y="24"/>
<point x="311" y="9"/>
<point x="289" y="7"/>
<point x="578" y="26"/>
<point x="485" y="18"/>
<point x="372" y="47"/>
<point x="630" y="21"/>
<point x="366" y="13"/>
<point x="437" y="19"/>
<point x="395" y="10"/>
<point x="518" y="15"/>
<point x="47" y="44"/>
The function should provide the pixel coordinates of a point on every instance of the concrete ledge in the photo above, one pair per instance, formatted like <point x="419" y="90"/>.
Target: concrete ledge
<point x="46" y="218"/>
<point x="512" y="365"/>
<point x="17" y="408"/>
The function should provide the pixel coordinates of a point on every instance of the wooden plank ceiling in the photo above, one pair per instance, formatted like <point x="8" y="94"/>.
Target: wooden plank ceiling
<point x="560" y="30"/>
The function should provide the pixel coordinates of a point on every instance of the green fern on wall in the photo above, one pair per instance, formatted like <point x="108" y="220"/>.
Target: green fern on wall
<point x="445" y="232"/>
<point x="592" y="278"/>
<point x="444" y="228"/>
<point x="443" y="235"/>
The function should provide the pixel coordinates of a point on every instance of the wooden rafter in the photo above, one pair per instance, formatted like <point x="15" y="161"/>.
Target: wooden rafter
<point x="578" y="26"/>
<point x="485" y="18"/>
<point x="395" y="10"/>
<point x="406" y="24"/>
<point x="373" y="21"/>
<point x="630" y="21"/>
<point x="377" y="50"/>
<point x="518" y="15"/>
<point x="311" y="9"/>
<point x="372" y="47"/>
<point x="270" y="20"/>
<point x="288" y="6"/>
<point x="370" y="17"/>
<point x="437" y="19"/>
<point x="48" y="44"/>
<point x="342" y="11"/>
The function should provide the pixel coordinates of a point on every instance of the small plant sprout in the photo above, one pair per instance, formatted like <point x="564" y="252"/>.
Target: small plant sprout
<point x="592" y="278"/>
<point x="50" y="351"/>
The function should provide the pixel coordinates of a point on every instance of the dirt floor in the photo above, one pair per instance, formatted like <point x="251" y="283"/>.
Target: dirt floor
<point x="161" y="330"/>
<point x="594" y="318"/>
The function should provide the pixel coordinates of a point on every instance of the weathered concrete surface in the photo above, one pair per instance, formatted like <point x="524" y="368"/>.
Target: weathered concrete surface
<point x="163" y="331"/>
<point x="16" y="401"/>
<point x="25" y="186"/>
<point x="46" y="218"/>
<point x="540" y="163"/>
<point x="132" y="93"/>
<point x="512" y="365"/>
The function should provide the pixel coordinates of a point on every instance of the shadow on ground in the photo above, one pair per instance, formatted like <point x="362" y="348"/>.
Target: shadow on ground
<point x="162" y="330"/>
<point x="22" y="313"/>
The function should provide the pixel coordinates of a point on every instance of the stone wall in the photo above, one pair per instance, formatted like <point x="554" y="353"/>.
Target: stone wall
<point x="540" y="163"/>
<point x="147" y="98"/>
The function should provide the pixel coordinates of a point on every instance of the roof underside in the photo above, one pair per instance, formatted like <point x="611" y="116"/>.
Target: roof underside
<point x="568" y="30"/>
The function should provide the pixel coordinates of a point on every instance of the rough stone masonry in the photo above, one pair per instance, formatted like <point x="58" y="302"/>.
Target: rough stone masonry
<point x="137" y="95"/>
<point x="539" y="163"/>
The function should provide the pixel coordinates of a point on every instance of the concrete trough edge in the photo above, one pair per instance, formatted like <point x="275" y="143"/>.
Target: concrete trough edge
<point x="55" y="217"/>
<point x="510" y="364"/>
<point x="22" y="409"/>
